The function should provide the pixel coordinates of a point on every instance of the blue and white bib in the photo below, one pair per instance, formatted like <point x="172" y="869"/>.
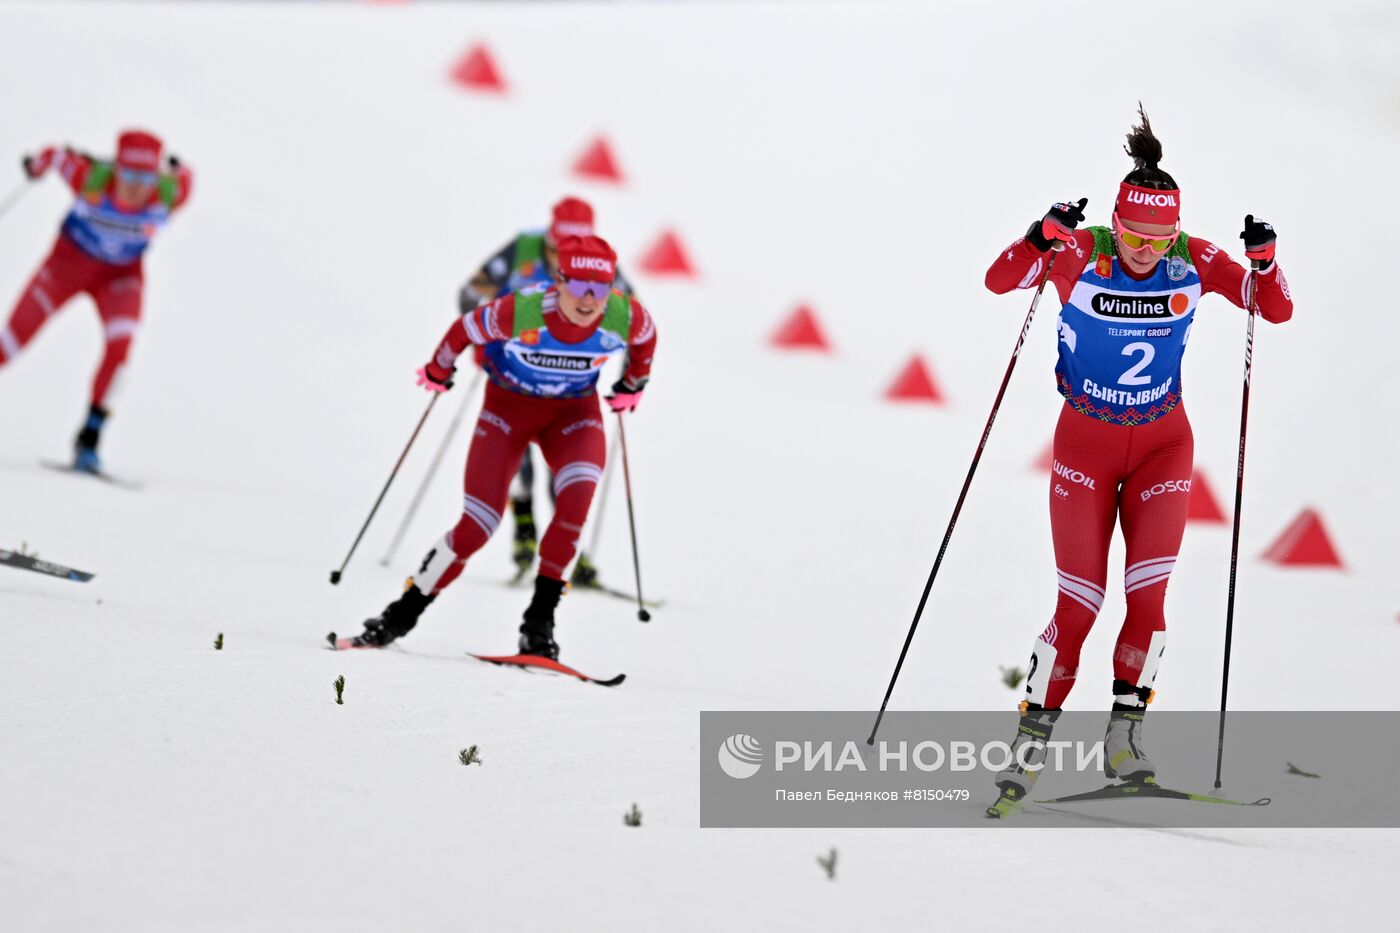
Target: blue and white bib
<point x="537" y="363"/>
<point x="105" y="232"/>
<point x="1122" y="339"/>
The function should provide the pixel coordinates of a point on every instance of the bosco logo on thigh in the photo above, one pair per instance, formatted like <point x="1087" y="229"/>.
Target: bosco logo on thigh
<point x="1170" y="486"/>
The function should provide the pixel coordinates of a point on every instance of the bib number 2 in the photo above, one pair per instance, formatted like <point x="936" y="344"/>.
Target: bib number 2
<point x="1131" y="376"/>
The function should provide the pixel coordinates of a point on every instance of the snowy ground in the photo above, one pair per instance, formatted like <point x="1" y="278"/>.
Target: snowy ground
<point x="868" y="157"/>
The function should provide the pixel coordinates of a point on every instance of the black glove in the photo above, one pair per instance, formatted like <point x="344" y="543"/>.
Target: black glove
<point x="1056" y="229"/>
<point x="1259" y="239"/>
<point x="172" y="163"/>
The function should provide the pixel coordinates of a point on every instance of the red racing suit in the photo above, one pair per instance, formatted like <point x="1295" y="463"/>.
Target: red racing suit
<point x="93" y="234"/>
<point x="1123" y="445"/>
<point x="539" y="396"/>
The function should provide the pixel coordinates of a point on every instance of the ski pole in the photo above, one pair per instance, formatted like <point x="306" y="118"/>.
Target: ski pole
<point x="602" y="499"/>
<point x="13" y="197"/>
<point x="967" y="483"/>
<point x="642" y="613"/>
<point x="335" y="574"/>
<point x="1235" y="535"/>
<point x="467" y="401"/>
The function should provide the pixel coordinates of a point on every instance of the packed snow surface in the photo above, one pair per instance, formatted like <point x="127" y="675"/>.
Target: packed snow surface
<point x="869" y="158"/>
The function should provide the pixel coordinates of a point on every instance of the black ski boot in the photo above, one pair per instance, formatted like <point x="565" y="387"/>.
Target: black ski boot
<point x="537" y="631"/>
<point x="396" y="621"/>
<point x="85" y="456"/>
<point x="526" y="543"/>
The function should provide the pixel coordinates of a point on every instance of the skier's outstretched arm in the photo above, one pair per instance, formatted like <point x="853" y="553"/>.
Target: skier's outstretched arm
<point x="490" y="322"/>
<point x="1023" y="264"/>
<point x="178" y="181"/>
<point x="1222" y="275"/>
<point x="641" y="345"/>
<point x="72" y="165"/>
<point x="626" y="393"/>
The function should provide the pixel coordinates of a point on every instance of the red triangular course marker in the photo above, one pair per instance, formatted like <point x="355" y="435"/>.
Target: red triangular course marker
<point x="477" y="70"/>
<point x="667" y="257"/>
<point x="1304" y="543"/>
<point x="1203" y="505"/>
<point x="801" y="331"/>
<point x="598" y="162"/>
<point x="914" y="384"/>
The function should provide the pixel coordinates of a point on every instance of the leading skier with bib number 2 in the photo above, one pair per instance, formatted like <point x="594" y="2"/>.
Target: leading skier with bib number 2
<point x="1123" y="445"/>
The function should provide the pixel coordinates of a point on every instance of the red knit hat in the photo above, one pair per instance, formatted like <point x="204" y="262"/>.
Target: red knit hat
<point x="572" y="217"/>
<point x="589" y="258"/>
<point x="137" y="149"/>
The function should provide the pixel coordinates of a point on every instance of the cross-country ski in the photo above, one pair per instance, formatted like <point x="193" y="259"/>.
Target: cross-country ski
<point x="536" y="662"/>
<point x="1150" y="789"/>
<point x="96" y="473"/>
<point x="22" y="561"/>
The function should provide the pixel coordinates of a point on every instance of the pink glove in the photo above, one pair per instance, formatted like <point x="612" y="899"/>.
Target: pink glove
<point x="624" y="401"/>
<point x="625" y="397"/>
<point x="431" y="378"/>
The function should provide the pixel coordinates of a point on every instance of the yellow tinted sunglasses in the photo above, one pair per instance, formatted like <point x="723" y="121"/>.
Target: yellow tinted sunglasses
<point x="1136" y="241"/>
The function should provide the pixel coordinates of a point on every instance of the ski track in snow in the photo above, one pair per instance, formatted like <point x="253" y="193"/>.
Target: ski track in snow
<point x="786" y="514"/>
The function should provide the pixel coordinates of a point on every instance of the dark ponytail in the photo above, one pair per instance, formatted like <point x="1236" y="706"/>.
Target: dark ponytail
<point x="1146" y="151"/>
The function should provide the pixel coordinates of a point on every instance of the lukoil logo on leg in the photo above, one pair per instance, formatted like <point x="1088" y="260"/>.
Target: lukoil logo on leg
<point x="741" y="756"/>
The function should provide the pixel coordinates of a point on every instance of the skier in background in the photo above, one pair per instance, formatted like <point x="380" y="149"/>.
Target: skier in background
<point x="545" y="350"/>
<point x="1123" y="445"/>
<point x="531" y="261"/>
<point x="120" y="205"/>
